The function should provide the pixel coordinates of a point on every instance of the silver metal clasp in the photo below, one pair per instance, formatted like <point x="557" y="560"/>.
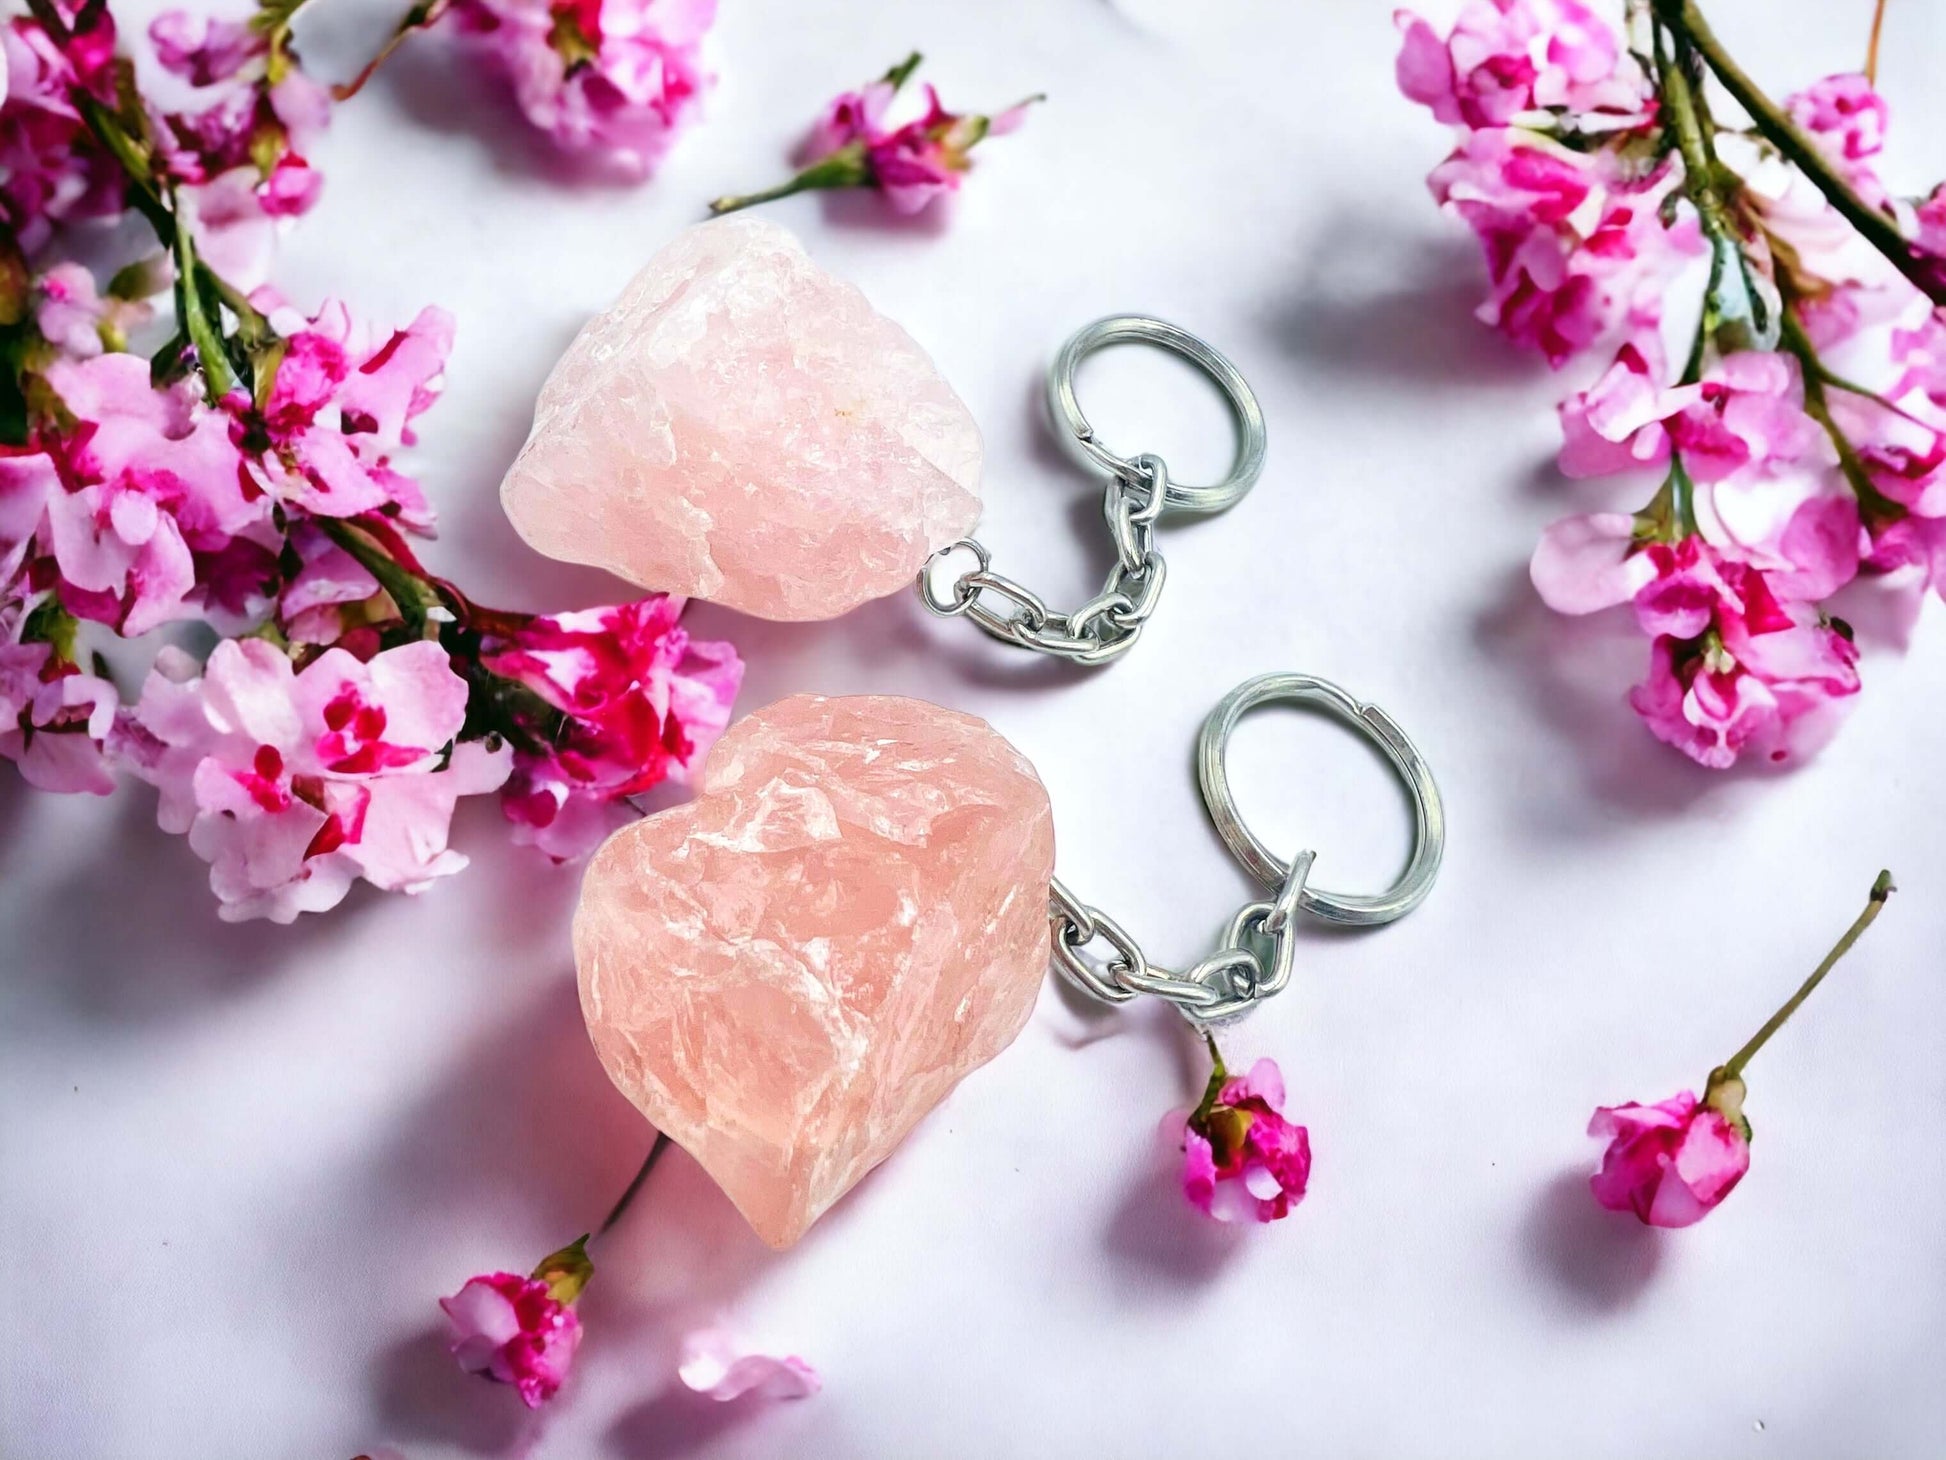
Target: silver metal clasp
<point x="1138" y="493"/>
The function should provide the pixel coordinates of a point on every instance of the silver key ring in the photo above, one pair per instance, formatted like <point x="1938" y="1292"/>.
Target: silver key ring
<point x="1140" y="329"/>
<point x="1254" y="962"/>
<point x="1137" y="495"/>
<point x="1429" y="815"/>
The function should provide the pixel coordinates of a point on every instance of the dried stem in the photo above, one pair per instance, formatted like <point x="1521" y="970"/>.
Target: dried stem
<point x="1881" y="890"/>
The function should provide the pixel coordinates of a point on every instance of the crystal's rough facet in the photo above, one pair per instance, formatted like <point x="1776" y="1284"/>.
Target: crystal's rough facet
<point x="786" y="974"/>
<point x="743" y="427"/>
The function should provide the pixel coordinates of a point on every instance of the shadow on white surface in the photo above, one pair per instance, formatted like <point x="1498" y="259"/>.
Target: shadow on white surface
<point x="433" y="83"/>
<point x="155" y="950"/>
<point x="678" y="1421"/>
<point x="1378" y="305"/>
<point x="1599" y="1262"/>
<point x="1573" y="675"/>
<point x="421" y="1396"/>
<point x="1156" y="1236"/>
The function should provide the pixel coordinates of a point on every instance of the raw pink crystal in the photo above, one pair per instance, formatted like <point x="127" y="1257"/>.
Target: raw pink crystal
<point x="742" y="426"/>
<point x="787" y="973"/>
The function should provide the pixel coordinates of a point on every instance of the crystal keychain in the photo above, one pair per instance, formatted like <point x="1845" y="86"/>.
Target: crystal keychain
<point x="1137" y="495"/>
<point x="859" y="908"/>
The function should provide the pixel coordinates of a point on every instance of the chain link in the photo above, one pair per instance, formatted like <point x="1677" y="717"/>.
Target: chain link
<point x="1253" y="963"/>
<point x="1103" y="628"/>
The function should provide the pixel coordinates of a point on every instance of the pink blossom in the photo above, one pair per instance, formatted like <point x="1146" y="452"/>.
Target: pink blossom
<point x="201" y="49"/>
<point x="1573" y="248"/>
<point x="1733" y="667"/>
<point x="853" y="117"/>
<point x="1749" y="411"/>
<point x="1847" y="118"/>
<point x="1669" y="1163"/>
<point x="53" y="720"/>
<point x="75" y="318"/>
<point x="148" y="479"/>
<point x="1508" y="58"/>
<point x="293" y="785"/>
<point x="713" y="1365"/>
<point x="1242" y="1160"/>
<point x="1746" y="413"/>
<point x="639" y="702"/>
<point x="52" y="171"/>
<point x="514" y="1331"/>
<point x="618" y="77"/>
<point x="1585" y="564"/>
<point x="341" y="403"/>
<point x="912" y="164"/>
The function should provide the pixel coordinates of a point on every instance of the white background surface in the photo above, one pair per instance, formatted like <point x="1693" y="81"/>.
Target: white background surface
<point x="240" y="1164"/>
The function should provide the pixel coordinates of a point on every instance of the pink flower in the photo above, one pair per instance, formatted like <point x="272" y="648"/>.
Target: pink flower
<point x="1508" y="58"/>
<point x="1847" y="118"/>
<point x="853" y="117"/>
<point x="1242" y="1160"/>
<point x="147" y="480"/>
<point x="1746" y="413"/>
<point x="293" y="785"/>
<point x="201" y="49"/>
<point x="341" y="403"/>
<point x="1732" y="667"/>
<point x="619" y="77"/>
<point x="637" y="702"/>
<point x="850" y="146"/>
<point x="52" y="171"/>
<point x="1670" y="1163"/>
<point x="1585" y="564"/>
<point x="53" y="720"/>
<point x="514" y="1331"/>
<point x="75" y="318"/>
<point x="1573" y="248"/>
<point x="712" y="1365"/>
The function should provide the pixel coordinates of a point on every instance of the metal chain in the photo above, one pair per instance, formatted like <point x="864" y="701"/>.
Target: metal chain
<point x="1104" y="627"/>
<point x="1253" y="963"/>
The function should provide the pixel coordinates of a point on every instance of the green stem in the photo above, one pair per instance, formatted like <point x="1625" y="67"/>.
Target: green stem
<point x="1817" y="406"/>
<point x="1682" y="496"/>
<point x="628" y="1195"/>
<point x="842" y="169"/>
<point x="419" y="17"/>
<point x="1881" y="889"/>
<point x="1686" y="20"/>
<point x="218" y="378"/>
<point x="413" y="595"/>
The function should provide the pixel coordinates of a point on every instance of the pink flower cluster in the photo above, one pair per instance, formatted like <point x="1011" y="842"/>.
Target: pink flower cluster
<point x="620" y="77"/>
<point x="249" y="477"/>
<point x="234" y="149"/>
<point x="238" y="149"/>
<point x="1242" y="1160"/>
<point x="911" y="165"/>
<point x="1784" y="382"/>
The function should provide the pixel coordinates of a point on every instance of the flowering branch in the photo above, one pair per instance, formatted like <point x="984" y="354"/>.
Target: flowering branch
<point x="911" y="165"/>
<point x="1602" y="188"/>
<point x="1685" y="19"/>
<point x="249" y="475"/>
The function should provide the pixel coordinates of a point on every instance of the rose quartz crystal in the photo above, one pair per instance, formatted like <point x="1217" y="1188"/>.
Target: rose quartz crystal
<point x="743" y="427"/>
<point x="787" y="973"/>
